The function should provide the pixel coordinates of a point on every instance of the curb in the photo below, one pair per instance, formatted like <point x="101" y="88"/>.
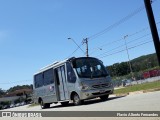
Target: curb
<point x="137" y="92"/>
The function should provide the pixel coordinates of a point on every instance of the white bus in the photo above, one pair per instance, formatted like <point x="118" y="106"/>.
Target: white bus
<point x="74" y="79"/>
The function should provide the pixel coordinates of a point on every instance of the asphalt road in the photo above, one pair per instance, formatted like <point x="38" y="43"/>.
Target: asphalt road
<point x="137" y="102"/>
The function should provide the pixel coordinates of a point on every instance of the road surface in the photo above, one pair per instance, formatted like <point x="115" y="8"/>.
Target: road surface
<point x="138" y="102"/>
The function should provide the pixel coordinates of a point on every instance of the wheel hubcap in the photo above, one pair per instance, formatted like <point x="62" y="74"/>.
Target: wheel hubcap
<point x="76" y="99"/>
<point x="42" y="104"/>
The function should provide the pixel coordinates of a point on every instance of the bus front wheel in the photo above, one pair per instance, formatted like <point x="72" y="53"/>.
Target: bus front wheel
<point x="76" y="99"/>
<point x="104" y="98"/>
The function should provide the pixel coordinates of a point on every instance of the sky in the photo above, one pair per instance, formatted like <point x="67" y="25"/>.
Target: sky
<point x="34" y="33"/>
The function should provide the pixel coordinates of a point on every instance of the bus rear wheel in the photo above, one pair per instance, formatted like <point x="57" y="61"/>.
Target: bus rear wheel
<point x="76" y="99"/>
<point x="44" y="105"/>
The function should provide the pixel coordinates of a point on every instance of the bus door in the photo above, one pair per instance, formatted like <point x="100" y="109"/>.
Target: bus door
<point x="62" y="84"/>
<point x="49" y="86"/>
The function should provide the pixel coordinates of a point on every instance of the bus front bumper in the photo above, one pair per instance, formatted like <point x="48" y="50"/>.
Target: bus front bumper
<point x="88" y="94"/>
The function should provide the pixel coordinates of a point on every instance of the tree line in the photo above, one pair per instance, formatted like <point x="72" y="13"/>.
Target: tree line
<point x="12" y="89"/>
<point x="140" y="64"/>
<point x="19" y="87"/>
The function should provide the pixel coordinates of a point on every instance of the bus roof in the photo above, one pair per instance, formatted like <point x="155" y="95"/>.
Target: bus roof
<point x="56" y="63"/>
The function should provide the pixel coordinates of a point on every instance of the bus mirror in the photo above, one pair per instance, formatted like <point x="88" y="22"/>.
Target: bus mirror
<point x="74" y="63"/>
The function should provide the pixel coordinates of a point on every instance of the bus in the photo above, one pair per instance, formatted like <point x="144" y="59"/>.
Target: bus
<point x="72" y="80"/>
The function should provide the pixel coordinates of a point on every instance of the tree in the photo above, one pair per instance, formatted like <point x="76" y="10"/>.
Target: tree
<point x="139" y="64"/>
<point x="18" y="87"/>
<point x="2" y="92"/>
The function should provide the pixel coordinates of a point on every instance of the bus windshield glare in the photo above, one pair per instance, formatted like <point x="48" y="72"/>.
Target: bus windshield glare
<point x="89" y="68"/>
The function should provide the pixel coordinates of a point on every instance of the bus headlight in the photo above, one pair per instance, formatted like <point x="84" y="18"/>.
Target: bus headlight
<point x="84" y="86"/>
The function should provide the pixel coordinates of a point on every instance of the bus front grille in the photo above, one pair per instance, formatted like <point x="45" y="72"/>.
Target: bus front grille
<point x="101" y="86"/>
<point x="98" y="93"/>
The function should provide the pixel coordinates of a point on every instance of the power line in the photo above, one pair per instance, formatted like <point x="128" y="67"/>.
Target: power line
<point x="125" y="49"/>
<point x="119" y="47"/>
<point x="115" y="41"/>
<point x="127" y="43"/>
<point x="131" y="35"/>
<point x="117" y="23"/>
<point x="112" y="26"/>
<point x="76" y="44"/>
<point x="16" y="82"/>
<point x="74" y="51"/>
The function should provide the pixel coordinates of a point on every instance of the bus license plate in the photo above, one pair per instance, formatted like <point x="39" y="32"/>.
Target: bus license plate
<point x="102" y="91"/>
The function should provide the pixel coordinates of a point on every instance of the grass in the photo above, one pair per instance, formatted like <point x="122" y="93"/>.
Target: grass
<point x="139" y="87"/>
<point x="33" y="104"/>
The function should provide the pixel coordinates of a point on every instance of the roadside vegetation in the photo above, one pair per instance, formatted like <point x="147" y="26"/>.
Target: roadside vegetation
<point x="121" y="71"/>
<point x="33" y="104"/>
<point x="145" y="86"/>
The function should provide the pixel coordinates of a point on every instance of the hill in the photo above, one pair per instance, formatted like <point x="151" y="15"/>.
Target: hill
<point x="139" y="64"/>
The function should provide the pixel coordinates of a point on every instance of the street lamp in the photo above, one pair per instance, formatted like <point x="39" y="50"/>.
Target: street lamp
<point x="76" y="44"/>
<point x="129" y="63"/>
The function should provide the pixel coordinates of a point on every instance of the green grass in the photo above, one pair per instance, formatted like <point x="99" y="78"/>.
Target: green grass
<point x="144" y="86"/>
<point x="33" y="104"/>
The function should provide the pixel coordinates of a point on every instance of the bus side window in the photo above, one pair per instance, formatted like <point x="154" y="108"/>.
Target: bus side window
<point x="48" y="77"/>
<point x="71" y="77"/>
<point x="39" y="80"/>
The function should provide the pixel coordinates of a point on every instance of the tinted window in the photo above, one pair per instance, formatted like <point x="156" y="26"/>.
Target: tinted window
<point x="71" y="77"/>
<point x="38" y="80"/>
<point x="48" y="77"/>
<point x="63" y="73"/>
<point x="89" y="68"/>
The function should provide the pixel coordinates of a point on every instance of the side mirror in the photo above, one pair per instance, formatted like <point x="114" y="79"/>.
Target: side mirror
<point x="74" y="63"/>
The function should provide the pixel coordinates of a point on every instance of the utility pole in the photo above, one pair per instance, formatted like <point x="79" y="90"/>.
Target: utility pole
<point x="86" y="42"/>
<point x="129" y="63"/>
<point x="153" y="28"/>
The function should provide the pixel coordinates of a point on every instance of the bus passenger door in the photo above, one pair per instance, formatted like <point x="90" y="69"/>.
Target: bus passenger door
<point x="62" y="84"/>
<point x="49" y="86"/>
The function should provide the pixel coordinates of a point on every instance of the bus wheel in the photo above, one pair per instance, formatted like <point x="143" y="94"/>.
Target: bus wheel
<point x="104" y="98"/>
<point x="43" y="106"/>
<point x="76" y="99"/>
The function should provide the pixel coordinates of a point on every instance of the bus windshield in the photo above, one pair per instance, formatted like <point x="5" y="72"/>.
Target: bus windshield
<point x="89" y="68"/>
